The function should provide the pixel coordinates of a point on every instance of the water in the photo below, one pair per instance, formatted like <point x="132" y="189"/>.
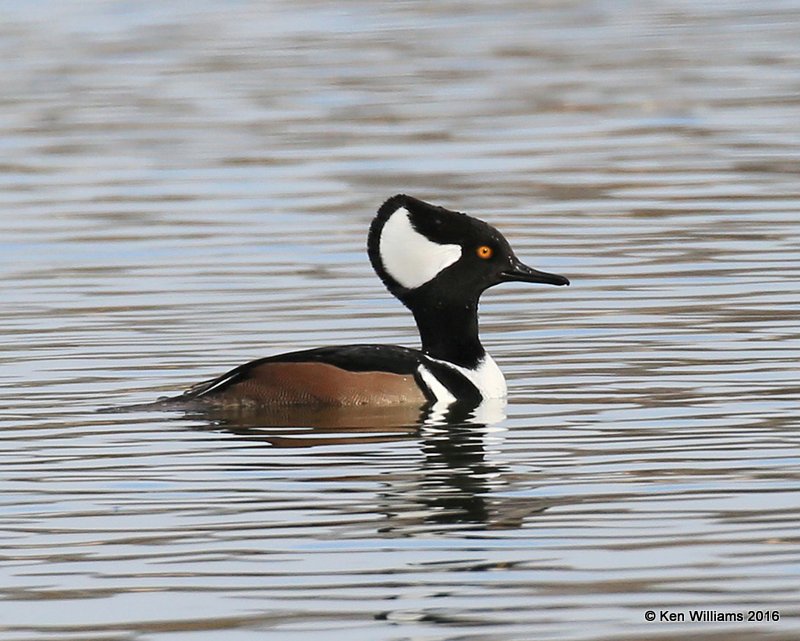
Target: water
<point x="187" y="187"/>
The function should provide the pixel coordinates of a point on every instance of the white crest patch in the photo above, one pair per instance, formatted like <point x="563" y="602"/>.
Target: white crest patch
<point x="410" y="258"/>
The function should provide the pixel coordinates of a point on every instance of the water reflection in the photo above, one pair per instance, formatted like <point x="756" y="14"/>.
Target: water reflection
<point x="458" y="483"/>
<point x="454" y="483"/>
<point x="348" y="421"/>
<point x="309" y="426"/>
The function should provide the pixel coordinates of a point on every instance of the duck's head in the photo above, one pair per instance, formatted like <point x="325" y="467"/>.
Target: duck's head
<point x="422" y="251"/>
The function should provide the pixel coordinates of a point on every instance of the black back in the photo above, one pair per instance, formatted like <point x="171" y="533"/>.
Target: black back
<point x="352" y="358"/>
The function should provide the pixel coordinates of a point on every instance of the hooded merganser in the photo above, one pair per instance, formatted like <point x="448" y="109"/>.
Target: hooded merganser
<point x="437" y="262"/>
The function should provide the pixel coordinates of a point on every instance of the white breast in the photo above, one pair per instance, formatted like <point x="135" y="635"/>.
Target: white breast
<point x="487" y="377"/>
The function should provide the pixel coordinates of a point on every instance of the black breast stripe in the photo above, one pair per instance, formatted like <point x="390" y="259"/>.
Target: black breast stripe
<point x="454" y="381"/>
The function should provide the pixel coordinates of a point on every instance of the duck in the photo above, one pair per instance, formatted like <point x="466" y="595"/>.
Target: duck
<point x="435" y="261"/>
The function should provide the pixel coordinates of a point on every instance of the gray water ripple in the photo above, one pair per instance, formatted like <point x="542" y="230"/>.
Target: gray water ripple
<point x="184" y="189"/>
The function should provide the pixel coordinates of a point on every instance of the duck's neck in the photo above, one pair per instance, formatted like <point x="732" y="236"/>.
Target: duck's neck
<point x="449" y="331"/>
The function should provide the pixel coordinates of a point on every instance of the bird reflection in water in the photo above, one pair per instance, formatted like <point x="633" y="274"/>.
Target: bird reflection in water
<point x="455" y="484"/>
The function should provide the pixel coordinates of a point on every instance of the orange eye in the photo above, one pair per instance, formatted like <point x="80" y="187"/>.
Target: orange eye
<point x="485" y="252"/>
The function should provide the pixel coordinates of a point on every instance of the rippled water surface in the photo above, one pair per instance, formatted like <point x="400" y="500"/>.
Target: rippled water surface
<point x="187" y="186"/>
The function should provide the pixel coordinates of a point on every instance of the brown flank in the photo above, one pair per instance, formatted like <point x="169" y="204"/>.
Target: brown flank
<point x="318" y="384"/>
